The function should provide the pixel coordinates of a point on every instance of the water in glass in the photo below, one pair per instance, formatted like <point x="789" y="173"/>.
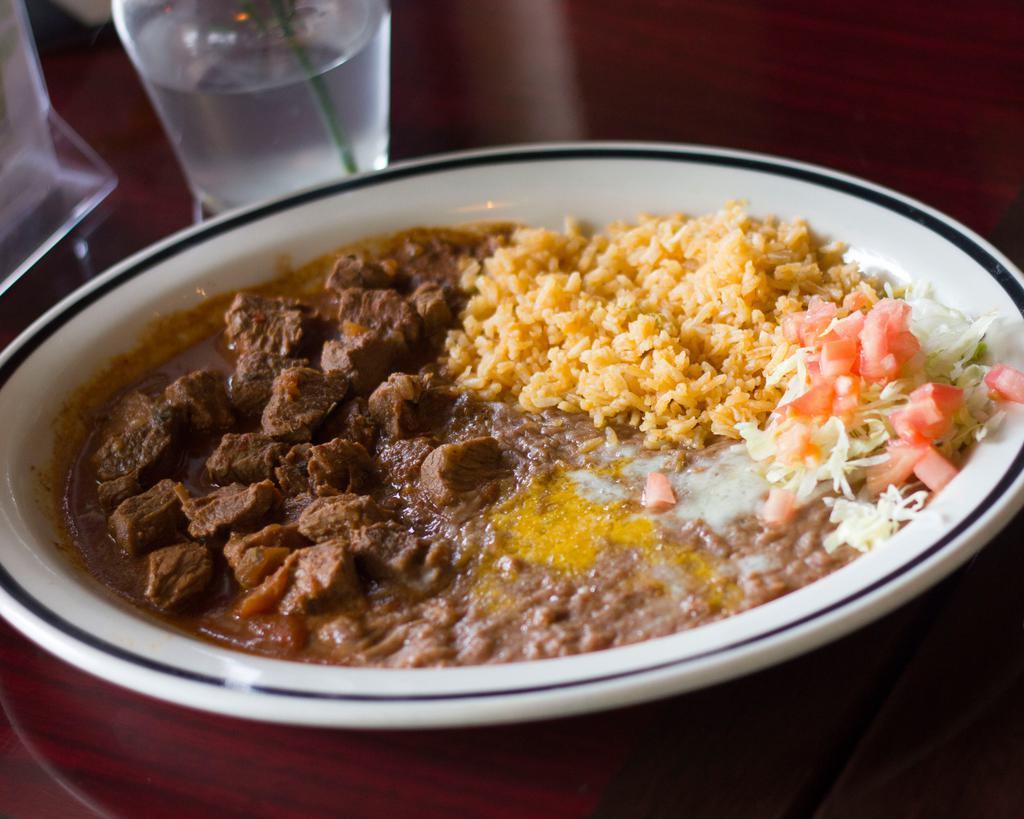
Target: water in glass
<point x="263" y="97"/>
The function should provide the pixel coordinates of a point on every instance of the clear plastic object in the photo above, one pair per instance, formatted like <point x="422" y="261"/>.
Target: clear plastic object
<point x="49" y="178"/>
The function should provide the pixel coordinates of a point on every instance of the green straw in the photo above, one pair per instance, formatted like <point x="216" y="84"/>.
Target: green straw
<point x="316" y="82"/>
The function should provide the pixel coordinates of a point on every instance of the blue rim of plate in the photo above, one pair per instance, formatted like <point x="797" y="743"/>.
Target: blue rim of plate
<point x="29" y="342"/>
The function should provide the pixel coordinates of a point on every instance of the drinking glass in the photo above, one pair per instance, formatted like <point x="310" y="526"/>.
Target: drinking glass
<point x="264" y="97"/>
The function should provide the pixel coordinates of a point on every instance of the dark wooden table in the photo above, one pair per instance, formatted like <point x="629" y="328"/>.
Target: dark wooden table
<point x="919" y="714"/>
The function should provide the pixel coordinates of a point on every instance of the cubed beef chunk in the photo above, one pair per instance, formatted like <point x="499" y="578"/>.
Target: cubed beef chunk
<point x="338" y="516"/>
<point x="339" y="464"/>
<point x="294" y="505"/>
<point x="267" y="594"/>
<point x="393" y="405"/>
<point x="177" y="573"/>
<point x="201" y="400"/>
<point x="138" y="437"/>
<point x="292" y="475"/>
<point x="147" y="520"/>
<point x="454" y="469"/>
<point x="323" y="575"/>
<point x="254" y="378"/>
<point x="365" y="358"/>
<point x="386" y="311"/>
<point x="310" y="580"/>
<point x="111" y="493"/>
<point x="256" y="556"/>
<point x="352" y="422"/>
<point x="325" y="469"/>
<point x="482" y="247"/>
<point x="300" y="400"/>
<point x="443" y="259"/>
<point x="436" y="403"/>
<point x="255" y="565"/>
<point x="400" y="461"/>
<point x="429" y="303"/>
<point x="407" y="405"/>
<point x="247" y="457"/>
<point x="275" y="535"/>
<point x="233" y="506"/>
<point x="387" y="551"/>
<point x="432" y="260"/>
<point x="265" y="324"/>
<point x="356" y="270"/>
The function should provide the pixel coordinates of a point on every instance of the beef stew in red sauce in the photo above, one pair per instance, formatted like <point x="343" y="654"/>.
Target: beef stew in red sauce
<point x="308" y="484"/>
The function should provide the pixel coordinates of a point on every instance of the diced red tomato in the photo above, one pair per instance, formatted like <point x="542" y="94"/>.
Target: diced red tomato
<point x="855" y="301"/>
<point x="929" y="415"/>
<point x="779" y="508"/>
<point x="894" y="313"/>
<point x="904" y="346"/>
<point x="658" y="495"/>
<point x="821" y="311"/>
<point x="850" y="326"/>
<point x="815" y="403"/>
<point x="911" y="422"/>
<point x="933" y="470"/>
<point x="795" y="445"/>
<point x="1006" y="383"/>
<point x="886" y="341"/>
<point x="838" y="357"/>
<point x="847" y="385"/>
<point x="831" y="392"/>
<point x="805" y="328"/>
<point x="847" y="389"/>
<point x="791" y="325"/>
<point x="873" y="349"/>
<point x="900" y="466"/>
<point x="946" y="398"/>
<point x="885" y="368"/>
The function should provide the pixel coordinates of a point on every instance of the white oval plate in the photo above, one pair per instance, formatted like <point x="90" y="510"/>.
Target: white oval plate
<point x="69" y="614"/>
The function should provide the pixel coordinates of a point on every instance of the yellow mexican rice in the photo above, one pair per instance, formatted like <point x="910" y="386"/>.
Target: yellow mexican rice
<point x="670" y="324"/>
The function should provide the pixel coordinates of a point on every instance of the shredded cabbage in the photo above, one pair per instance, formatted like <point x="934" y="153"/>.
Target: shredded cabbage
<point x="799" y="380"/>
<point x="863" y="525"/>
<point x="846" y="455"/>
<point x="949" y="339"/>
<point x="952" y="345"/>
